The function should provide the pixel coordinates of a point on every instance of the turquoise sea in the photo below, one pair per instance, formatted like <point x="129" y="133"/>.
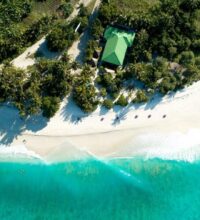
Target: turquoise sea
<point x="126" y="189"/>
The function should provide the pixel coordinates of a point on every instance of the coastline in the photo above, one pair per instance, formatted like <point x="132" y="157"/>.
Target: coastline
<point x="100" y="134"/>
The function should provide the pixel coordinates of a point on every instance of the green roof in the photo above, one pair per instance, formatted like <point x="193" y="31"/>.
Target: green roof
<point x="116" y="46"/>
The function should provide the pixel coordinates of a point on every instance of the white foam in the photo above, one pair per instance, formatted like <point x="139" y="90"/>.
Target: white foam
<point x="174" y="146"/>
<point x="18" y="151"/>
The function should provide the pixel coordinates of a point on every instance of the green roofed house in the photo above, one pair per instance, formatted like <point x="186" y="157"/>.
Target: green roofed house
<point x="118" y="41"/>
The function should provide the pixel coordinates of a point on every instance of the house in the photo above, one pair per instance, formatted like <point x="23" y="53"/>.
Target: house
<point x="118" y="41"/>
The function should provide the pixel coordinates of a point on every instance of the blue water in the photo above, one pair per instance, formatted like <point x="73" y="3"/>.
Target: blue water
<point x="125" y="189"/>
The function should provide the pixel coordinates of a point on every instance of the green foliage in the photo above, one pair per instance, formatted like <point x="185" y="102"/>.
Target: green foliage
<point x="108" y="103"/>
<point x="191" y="74"/>
<point x="142" y="72"/>
<point x="57" y="79"/>
<point x="91" y="45"/>
<point x="140" y="97"/>
<point x="21" y="24"/>
<point x="66" y="9"/>
<point x="14" y="11"/>
<point x="12" y="81"/>
<point x="87" y="72"/>
<point x="157" y="75"/>
<point x="172" y="51"/>
<point x="84" y="93"/>
<point x="83" y="12"/>
<point x="32" y="95"/>
<point x="107" y="13"/>
<point x="106" y="79"/>
<point x="60" y="39"/>
<point x="20" y="90"/>
<point x="38" y="28"/>
<point x="168" y="84"/>
<point x="27" y="90"/>
<point x="114" y="95"/>
<point x="112" y="84"/>
<point x="122" y="101"/>
<point x="186" y="58"/>
<point x="103" y="92"/>
<point x="190" y="5"/>
<point x="197" y="62"/>
<point x="196" y="45"/>
<point x="97" y="29"/>
<point x="50" y="106"/>
<point x="63" y="34"/>
<point x="166" y="31"/>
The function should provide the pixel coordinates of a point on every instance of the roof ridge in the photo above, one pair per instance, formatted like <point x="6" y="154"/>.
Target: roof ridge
<point x="116" y="46"/>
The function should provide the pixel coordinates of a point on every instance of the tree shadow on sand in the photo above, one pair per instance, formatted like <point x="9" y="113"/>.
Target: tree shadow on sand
<point x="121" y="113"/>
<point x="85" y="37"/>
<point x="153" y="102"/>
<point x="103" y="111"/>
<point x="11" y="125"/>
<point x="82" y="46"/>
<point x="43" y="51"/>
<point x="72" y="113"/>
<point x="159" y="98"/>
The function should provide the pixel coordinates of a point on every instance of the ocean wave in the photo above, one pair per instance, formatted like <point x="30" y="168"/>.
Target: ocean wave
<point x="174" y="146"/>
<point x="18" y="152"/>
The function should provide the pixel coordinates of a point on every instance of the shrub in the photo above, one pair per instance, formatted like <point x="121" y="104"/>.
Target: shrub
<point x="122" y="101"/>
<point x="60" y="39"/>
<point x="50" y="106"/>
<point x="103" y="92"/>
<point x="108" y="103"/>
<point x="140" y="97"/>
<point x="186" y="58"/>
<point x="66" y="9"/>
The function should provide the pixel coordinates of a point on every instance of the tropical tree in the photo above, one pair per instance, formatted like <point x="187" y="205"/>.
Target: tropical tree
<point x="108" y="103"/>
<point x="140" y="97"/>
<point x="50" y="106"/>
<point x="122" y="101"/>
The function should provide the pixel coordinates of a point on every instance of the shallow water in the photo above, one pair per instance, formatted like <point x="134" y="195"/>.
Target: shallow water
<point x="100" y="190"/>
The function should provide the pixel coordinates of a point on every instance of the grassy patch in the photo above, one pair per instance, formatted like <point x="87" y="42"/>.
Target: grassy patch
<point x="40" y="9"/>
<point x="129" y="7"/>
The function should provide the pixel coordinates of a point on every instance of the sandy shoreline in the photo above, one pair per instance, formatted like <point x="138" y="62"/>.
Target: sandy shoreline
<point x="100" y="134"/>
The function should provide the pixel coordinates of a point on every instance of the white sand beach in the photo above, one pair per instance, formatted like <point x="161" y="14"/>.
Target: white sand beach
<point x="166" y="127"/>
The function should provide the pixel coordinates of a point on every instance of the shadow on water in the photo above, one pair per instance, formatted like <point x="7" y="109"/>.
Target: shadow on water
<point x="11" y="125"/>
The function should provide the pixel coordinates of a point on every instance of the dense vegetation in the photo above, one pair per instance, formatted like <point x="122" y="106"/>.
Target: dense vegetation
<point x="39" y="89"/>
<point x="163" y="58"/>
<point x="84" y="93"/>
<point x="22" y="22"/>
<point x="63" y="34"/>
<point x="165" y="54"/>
